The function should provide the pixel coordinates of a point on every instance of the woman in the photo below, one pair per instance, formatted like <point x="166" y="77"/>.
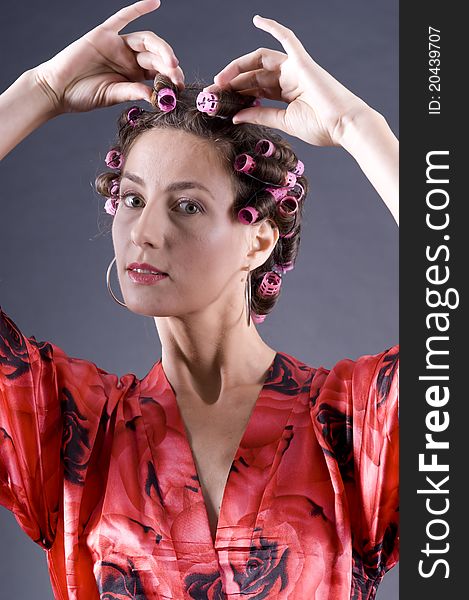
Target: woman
<point x="231" y="468"/>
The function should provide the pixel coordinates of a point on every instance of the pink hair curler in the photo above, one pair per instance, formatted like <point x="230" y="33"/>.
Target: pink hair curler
<point x="277" y="193"/>
<point x="264" y="148"/>
<point x="207" y="102"/>
<point x="113" y="159"/>
<point x="110" y="206"/>
<point x="288" y="206"/>
<point x="166" y="99"/>
<point x="244" y="163"/>
<point x="290" y="180"/>
<point x="248" y="215"/>
<point x="114" y="188"/>
<point x="301" y="191"/>
<point x="288" y="235"/>
<point x="299" y="169"/>
<point x="133" y="114"/>
<point x="270" y="284"/>
<point x="257" y="318"/>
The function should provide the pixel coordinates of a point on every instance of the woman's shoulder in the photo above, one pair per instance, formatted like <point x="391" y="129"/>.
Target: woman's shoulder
<point x="24" y="358"/>
<point x="348" y="378"/>
<point x="344" y="365"/>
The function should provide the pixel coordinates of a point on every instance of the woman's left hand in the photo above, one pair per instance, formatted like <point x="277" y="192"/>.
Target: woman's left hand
<point x="319" y="106"/>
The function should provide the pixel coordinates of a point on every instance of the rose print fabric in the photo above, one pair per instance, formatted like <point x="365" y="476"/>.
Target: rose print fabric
<point x="98" y="471"/>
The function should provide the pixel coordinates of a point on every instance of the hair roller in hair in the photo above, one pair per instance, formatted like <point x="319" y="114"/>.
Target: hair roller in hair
<point x="291" y="233"/>
<point x="207" y="102"/>
<point x="277" y="193"/>
<point x="264" y="148"/>
<point x="166" y="99"/>
<point x="164" y="94"/>
<point x="287" y="206"/>
<point x="248" y="215"/>
<point x="257" y="318"/>
<point x="290" y="180"/>
<point x="299" y="169"/>
<point x="244" y="163"/>
<point x="110" y="206"/>
<point x="113" y="159"/>
<point x="299" y="190"/>
<point x="224" y="103"/>
<point x="114" y="187"/>
<point x="133" y="114"/>
<point x="270" y="284"/>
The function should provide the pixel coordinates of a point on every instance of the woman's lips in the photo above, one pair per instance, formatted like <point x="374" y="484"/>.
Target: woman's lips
<point x="145" y="278"/>
<point x="145" y="267"/>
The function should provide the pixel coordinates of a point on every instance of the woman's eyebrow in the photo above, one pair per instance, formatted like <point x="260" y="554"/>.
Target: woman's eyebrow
<point x="177" y="186"/>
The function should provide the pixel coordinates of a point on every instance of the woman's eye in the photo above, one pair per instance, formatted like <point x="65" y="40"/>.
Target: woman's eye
<point x="124" y="199"/>
<point x="189" y="207"/>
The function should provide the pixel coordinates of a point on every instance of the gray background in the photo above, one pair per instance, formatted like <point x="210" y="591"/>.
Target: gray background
<point x="340" y="301"/>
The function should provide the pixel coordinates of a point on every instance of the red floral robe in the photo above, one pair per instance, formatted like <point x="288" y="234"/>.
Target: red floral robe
<point x="98" y="471"/>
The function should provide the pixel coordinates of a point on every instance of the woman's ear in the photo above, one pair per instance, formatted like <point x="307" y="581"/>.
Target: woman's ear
<point x="264" y="236"/>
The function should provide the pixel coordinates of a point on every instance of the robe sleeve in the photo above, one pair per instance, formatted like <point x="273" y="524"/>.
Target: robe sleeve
<point x="355" y="412"/>
<point x="51" y="409"/>
<point x="374" y="495"/>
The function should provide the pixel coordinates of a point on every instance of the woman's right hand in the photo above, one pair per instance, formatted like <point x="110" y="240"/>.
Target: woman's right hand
<point x="103" y="68"/>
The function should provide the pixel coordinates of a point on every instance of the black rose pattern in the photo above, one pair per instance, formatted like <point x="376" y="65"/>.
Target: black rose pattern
<point x="75" y="440"/>
<point x="283" y="373"/>
<point x="317" y="510"/>
<point x="205" y="586"/>
<point x="116" y="583"/>
<point x="152" y="481"/>
<point x="337" y="433"/>
<point x="147" y="529"/>
<point x="263" y="570"/>
<point x="362" y="587"/>
<point x="13" y="348"/>
<point x="385" y="376"/>
<point x="368" y="564"/>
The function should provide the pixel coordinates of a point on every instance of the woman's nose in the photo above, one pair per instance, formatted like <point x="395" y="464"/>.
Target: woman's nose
<point x="147" y="228"/>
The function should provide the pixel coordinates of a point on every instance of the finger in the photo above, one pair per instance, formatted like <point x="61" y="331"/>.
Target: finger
<point x="268" y="116"/>
<point x="142" y="41"/>
<point x="155" y="64"/>
<point x="260" y="79"/>
<point x="262" y="58"/>
<point x="125" y="15"/>
<point x="129" y="92"/>
<point x="285" y="36"/>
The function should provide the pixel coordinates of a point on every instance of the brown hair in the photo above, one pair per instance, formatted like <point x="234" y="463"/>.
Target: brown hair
<point x="230" y="140"/>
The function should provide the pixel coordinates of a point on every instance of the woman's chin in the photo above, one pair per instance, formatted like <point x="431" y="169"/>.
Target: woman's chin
<point x="148" y="308"/>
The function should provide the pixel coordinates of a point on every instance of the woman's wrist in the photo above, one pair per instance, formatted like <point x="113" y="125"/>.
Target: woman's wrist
<point x="354" y="125"/>
<point x="368" y="138"/>
<point x="24" y="107"/>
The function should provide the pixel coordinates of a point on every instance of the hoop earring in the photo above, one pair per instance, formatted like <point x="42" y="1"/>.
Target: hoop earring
<point x="108" y="274"/>
<point x="247" y="298"/>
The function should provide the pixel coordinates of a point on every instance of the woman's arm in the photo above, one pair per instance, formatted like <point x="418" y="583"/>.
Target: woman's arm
<point x="369" y="139"/>
<point x="320" y="110"/>
<point x="24" y="107"/>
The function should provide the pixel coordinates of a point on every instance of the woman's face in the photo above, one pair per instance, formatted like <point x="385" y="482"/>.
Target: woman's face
<point x="175" y="213"/>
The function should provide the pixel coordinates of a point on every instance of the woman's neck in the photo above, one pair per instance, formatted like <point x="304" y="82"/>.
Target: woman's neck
<point x="209" y="357"/>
